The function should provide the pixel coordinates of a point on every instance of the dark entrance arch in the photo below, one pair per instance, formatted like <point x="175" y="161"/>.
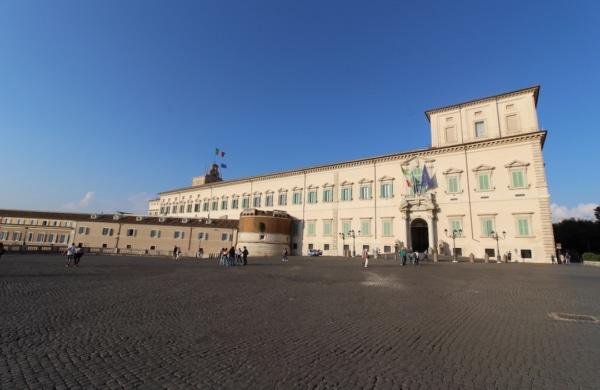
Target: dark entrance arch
<point x="419" y="236"/>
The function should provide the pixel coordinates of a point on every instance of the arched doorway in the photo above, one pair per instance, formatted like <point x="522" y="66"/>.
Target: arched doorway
<point x="419" y="235"/>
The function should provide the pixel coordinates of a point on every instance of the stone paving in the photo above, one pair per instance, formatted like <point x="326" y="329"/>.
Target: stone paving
<point x="326" y="323"/>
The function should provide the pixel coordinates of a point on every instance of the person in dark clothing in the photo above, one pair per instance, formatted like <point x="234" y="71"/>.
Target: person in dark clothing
<point x="78" y="254"/>
<point x="2" y="250"/>
<point x="245" y="256"/>
<point x="232" y="256"/>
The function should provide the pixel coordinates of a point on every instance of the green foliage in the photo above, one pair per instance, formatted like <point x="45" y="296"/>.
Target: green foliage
<point x="597" y="213"/>
<point x="578" y="236"/>
<point x="589" y="256"/>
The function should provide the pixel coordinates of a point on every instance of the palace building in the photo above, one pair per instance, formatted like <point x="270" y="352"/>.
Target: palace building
<point x="480" y="188"/>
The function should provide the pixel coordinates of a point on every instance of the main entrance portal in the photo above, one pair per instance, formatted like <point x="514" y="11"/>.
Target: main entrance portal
<point x="419" y="235"/>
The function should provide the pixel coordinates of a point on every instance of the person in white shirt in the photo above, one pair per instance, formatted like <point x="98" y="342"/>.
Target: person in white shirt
<point x="71" y="250"/>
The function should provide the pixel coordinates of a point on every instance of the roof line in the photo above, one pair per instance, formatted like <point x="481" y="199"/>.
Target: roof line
<point x="301" y="170"/>
<point x="535" y="88"/>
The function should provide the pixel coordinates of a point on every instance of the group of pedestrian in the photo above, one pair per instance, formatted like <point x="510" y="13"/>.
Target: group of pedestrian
<point x="412" y="257"/>
<point x="563" y="258"/>
<point x="176" y="253"/>
<point x="233" y="257"/>
<point x="74" y="254"/>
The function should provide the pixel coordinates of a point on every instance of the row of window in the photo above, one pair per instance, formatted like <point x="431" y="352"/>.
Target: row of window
<point x="35" y="222"/>
<point x="483" y="182"/>
<point x="365" y="193"/>
<point x="479" y="130"/>
<point x="48" y="238"/>
<point x="488" y="226"/>
<point x="178" y="235"/>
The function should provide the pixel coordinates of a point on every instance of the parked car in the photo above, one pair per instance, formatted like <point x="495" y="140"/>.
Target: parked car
<point x="315" y="252"/>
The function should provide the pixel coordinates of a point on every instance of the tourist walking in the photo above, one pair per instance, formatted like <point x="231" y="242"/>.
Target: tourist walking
<point x="78" y="254"/>
<point x="175" y="253"/>
<point x="403" y="256"/>
<point x="70" y="254"/>
<point x="2" y="250"/>
<point x="365" y="256"/>
<point x="284" y="255"/>
<point x="420" y="256"/>
<point x="568" y="258"/>
<point x="232" y="255"/>
<point x="222" y="260"/>
<point x="238" y="256"/>
<point x="245" y="254"/>
<point x="200" y="253"/>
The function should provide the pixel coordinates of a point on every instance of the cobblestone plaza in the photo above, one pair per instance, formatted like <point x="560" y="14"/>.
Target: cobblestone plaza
<point x="125" y="322"/>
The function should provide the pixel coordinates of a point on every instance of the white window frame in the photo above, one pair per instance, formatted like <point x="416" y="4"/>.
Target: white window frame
<point x="346" y="193"/>
<point x="475" y="122"/>
<point x="328" y="194"/>
<point x="367" y="194"/>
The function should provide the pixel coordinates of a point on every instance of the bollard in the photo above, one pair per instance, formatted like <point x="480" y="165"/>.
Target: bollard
<point x="486" y="258"/>
<point x="472" y="258"/>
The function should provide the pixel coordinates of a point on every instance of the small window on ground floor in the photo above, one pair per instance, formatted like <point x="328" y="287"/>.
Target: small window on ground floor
<point x="152" y="247"/>
<point x="310" y="246"/>
<point x="366" y="247"/>
<point x="128" y="246"/>
<point x="490" y="252"/>
<point x="458" y="251"/>
<point x="526" y="253"/>
<point x="326" y="247"/>
<point x="387" y="249"/>
<point x="104" y="246"/>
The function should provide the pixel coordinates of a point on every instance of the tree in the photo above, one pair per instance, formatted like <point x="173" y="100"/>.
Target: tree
<point x="597" y="213"/>
<point x="578" y="235"/>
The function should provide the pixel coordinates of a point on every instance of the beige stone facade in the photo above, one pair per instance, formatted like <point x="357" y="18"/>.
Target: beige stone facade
<point x="117" y="233"/>
<point x="487" y="179"/>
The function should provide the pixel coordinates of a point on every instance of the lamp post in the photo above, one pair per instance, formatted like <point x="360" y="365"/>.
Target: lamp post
<point x="343" y="243"/>
<point x="455" y="233"/>
<point x="352" y="233"/>
<point x="496" y="237"/>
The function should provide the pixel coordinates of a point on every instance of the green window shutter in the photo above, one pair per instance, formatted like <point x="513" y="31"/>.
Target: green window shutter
<point x="484" y="182"/>
<point x="456" y="225"/>
<point x="518" y="179"/>
<point x="452" y="184"/>
<point x="387" y="228"/>
<point x="523" y="227"/>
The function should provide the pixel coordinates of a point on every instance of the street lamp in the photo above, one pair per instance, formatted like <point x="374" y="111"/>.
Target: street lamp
<point x="455" y="233"/>
<point x="352" y="233"/>
<point x="496" y="237"/>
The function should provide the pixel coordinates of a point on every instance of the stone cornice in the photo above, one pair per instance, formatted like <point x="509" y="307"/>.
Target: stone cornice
<point x="428" y="153"/>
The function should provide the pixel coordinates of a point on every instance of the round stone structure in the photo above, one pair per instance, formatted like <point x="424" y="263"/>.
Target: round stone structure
<point x="264" y="233"/>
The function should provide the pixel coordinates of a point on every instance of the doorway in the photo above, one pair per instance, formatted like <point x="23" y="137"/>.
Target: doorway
<point x="419" y="235"/>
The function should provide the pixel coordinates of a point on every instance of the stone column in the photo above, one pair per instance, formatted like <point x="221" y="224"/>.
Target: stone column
<point x="431" y="231"/>
<point x="407" y="243"/>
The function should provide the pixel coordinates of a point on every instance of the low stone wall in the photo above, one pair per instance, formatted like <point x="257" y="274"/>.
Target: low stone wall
<point x="592" y="263"/>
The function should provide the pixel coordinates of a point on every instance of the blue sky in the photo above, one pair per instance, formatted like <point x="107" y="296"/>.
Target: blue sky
<point x="105" y="103"/>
